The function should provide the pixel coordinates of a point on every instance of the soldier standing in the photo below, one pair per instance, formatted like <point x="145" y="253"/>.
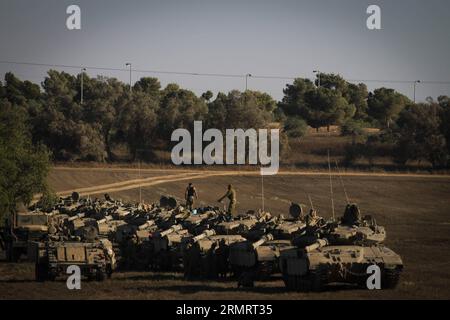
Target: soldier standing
<point x="231" y="195"/>
<point x="190" y="194"/>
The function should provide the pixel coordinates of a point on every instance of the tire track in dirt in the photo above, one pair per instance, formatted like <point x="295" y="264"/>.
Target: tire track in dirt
<point x="136" y="183"/>
<point x="124" y="183"/>
<point x="257" y="172"/>
<point x="201" y="174"/>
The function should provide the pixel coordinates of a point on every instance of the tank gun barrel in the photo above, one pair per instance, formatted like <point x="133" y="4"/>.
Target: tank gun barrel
<point x="170" y="230"/>
<point x="318" y="244"/>
<point x="76" y="217"/>
<point x="203" y="235"/>
<point x="148" y="224"/>
<point x="105" y="219"/>
<point x="264" y="239"/>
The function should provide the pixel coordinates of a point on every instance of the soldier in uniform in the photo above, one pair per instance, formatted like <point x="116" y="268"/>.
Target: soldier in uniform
<point x="231" y="195"/>
<point x="190" y="194"/>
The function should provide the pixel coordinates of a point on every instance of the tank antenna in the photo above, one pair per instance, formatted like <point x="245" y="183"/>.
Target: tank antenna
<point x="331" y="184"/>
<point x="342" y="181"/>
<point x="310" y="201"/>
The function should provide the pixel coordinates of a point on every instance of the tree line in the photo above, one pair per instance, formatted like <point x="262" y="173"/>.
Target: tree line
<point x="143" y="118"/>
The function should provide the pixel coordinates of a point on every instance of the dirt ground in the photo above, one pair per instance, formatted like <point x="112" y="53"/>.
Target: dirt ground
<point x="414" y="209"/>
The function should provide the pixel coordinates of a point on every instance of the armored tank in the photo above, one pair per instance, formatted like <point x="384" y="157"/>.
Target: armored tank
<point x="197" y="223"/>
<point x="259" y="259"/>
<point x="354" y="229"/>
<point x="166" y="248"/>
<point x="95" y="259"/>
<point x="207" y="255"/>
<point x="317" y="265"/>
<point x="243" y="225"/>
<point x="21" y="228"/>
<point x="133" y="242"/>
<point x="289" y="228"/>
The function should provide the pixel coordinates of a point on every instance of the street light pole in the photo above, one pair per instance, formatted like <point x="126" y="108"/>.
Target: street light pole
<point x="128" y="64"/>
<point x="415" y="83"/>
<point x="318" y="77"/>
<point x="246" y="80"/>
<point x="82" y="76"/>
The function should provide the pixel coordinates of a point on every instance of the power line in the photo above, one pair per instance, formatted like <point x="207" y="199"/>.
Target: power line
<point x="125" y="69"/>
<point x="203" y="74"/>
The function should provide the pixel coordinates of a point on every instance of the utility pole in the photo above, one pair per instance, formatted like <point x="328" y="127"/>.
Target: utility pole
<point x="318" y="77"/>
<point x="246" y="80"/>
<point x="128" y="64"/>
<point x="82" y="76"/>
<point x="415" y="83"/>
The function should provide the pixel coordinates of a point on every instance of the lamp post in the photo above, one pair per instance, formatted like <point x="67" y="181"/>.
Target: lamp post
<point x="246" y="80"/>
<point x="128" y="64"/>
<point x="82" y="76"/>
<point x="318" y="77"/>
<point x="415" y="83"/>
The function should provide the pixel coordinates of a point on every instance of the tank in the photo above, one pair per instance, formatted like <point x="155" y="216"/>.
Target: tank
<point x="21" y="228"/>
<point x="207" y="255"/>
<point x="318" y="265"/>
<point x="95" y="258"/>
<point x="134" y="245"/>
<point x="288" y="230"/>
<point x="246" y="226"/>
<point x="257" y="259"/>
<point x="166" y="248"/>
<point x="354" y="229"/>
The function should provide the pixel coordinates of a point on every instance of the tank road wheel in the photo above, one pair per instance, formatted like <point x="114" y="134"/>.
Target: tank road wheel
<point x="390" y="278"/>
<point x="41" y="272"/>
<point x="314" y="281"/>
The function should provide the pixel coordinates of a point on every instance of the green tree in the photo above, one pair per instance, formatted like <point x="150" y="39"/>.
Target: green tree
<point x="178" y="109"/>
<point x="295" y="127"/>
<point x="357" y="95"/>
<point x="444" y="103"/>
<point x="100" y="107"/>
<point x="333" y="82"/>
<point x="149" y="85"/>
<point x="23" y="167"/>
<point x="64" y="125"/>
<point x="2" y="91"/>
<point x="293" y="102"/>
<point x="385" y="105"/>
<point x="249" y="109"/>
<point x="137" y="121"/>
<point x="326" y="107"/>
<point x="207" y="95"/>
<point x="419" y="135"/>
<point x="319" y="106"/>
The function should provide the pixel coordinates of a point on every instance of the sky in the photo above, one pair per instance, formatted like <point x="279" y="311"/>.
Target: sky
<point x="287" y="38"/>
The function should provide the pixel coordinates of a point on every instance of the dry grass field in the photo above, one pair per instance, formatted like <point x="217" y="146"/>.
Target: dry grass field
<point x="415" y="210"/>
